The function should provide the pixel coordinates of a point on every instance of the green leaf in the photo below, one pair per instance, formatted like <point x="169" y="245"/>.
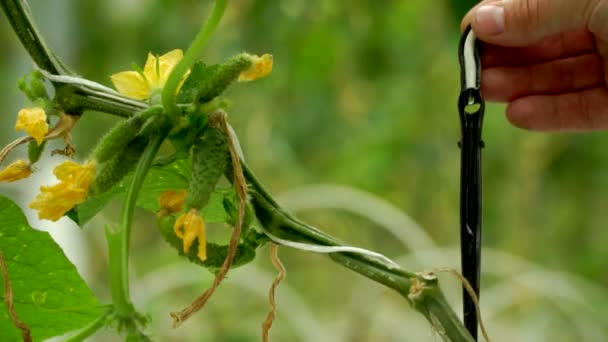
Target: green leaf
<point x="169" y="176"/>
<point x="10" y="213"/>
<point x="85" y="211"/>
<point x="214" y="211"/>
<point x="49" y="294"/>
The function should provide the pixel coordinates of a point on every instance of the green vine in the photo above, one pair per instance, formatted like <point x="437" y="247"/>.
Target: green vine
<point x="118" y="241"/>
<point x="195" y="49"/>
<point x="91" y="328"/>
<point x="18" y="14"/>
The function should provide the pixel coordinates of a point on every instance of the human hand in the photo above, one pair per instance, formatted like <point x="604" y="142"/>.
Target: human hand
<point x="548" y="59"/>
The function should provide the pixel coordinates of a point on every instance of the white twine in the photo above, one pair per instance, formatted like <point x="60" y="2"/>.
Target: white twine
<point x="470" y="65"/>
<point x="93" y="87"/>
<point x="329" y="249"/>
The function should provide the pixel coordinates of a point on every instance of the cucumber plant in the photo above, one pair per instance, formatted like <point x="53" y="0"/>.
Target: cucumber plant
<point x="174" y="100"/>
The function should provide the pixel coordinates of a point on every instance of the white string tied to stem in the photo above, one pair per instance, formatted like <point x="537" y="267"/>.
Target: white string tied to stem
<point x="330" y="249"/>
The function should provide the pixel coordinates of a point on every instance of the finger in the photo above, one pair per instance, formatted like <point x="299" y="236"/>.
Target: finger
<point x="523" y="22"/>
<point x="470" y="16"/>
<point x="602" y="48"/>
<point x="558" y="46"/>
<point x="580" y="111"/>
<point x="598" y="21"/>
<point x="567" y="75"/>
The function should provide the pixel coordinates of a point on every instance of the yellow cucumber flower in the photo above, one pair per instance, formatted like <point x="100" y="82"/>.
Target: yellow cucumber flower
<point x="54" y="201"/>
<point x="140" y="85"/>
<point x="15" y="171"/>
<point x="189" y="227"/>
<point x="171" y="202"/>
<point x="33" y="121"/>
<point x="260" y="67"/>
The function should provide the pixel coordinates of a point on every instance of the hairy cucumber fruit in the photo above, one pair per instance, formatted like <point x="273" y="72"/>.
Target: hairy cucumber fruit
<point x="117" y="138"/>
<point x="209" y="158"/>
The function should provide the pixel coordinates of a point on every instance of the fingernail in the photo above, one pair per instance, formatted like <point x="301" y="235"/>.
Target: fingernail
<point x="490" y="20"/>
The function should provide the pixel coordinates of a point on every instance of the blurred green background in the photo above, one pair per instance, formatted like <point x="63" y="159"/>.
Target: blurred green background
<point x="356" y="130"/>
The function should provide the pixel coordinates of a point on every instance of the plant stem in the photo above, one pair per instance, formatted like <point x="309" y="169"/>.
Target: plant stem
<point x="118" y="241"/>
<point x="190" y="56"/>
<point x="277" y="220"/>
<point x="444" y="320"/>
<point x="430" y="301"/>
<point x="90" y="329"/>
<point x="19" y="16"/>
<point x="119" y="286"/>
<point x="82" y="103"/>
<point x="280" y="223"/>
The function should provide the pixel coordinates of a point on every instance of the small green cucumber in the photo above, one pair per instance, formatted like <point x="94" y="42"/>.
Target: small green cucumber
<point x="221" y="76"/>
<point x="114" y="169"/>
<point x="117" y="138"/>
<point x="209" y="158"/>
<point x="154" y="125"/>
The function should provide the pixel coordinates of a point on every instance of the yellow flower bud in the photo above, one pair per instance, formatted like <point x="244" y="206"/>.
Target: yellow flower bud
<point x="15" y="171"/>
<point x="260" y="67"/>
<point x="33" y="121"/>
<point x="54" y="201"/>
<point x="189" y="227"/>
<point x="171" y="202"/>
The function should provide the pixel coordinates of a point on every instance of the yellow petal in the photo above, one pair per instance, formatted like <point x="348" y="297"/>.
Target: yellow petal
<point x="150" y="71"/>
<point x="178" y="226"/>
<point x="260" y="67"/>
<point x="202" y="244"/>
<point x="172" y="57"/>
<point x="131" y="84"/>
<point x="167" y="63"/>
<point x="66" y="170"/>
<point x="54" y="201"/>
<point x="85" y="176"/>
<point x="189" y="227"/>
<point x="16" y="170"/>
<point x="33" y="121"/>
<point x="155" y="74"/>
<point x="188" y="239"/>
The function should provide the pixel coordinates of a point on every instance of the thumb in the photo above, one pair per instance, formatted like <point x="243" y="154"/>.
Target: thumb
<point x="523" y="22"/>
